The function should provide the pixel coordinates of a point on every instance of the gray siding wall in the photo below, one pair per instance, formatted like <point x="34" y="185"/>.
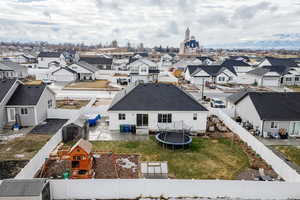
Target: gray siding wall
<point x="282" y="124"/>
<point x="29" y="119"/>
<point x="42" y="106"/>
<point x="3" y="114"/>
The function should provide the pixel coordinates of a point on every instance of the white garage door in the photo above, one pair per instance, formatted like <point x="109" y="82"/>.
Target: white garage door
<point x="63" y="78"/>
<point x="270" y="82"/>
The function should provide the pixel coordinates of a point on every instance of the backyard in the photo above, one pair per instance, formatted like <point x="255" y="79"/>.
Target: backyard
<point x="206" y="158"/>
<point x="295" y="88"/>
<point x="97" y="84"/>
<point x="22" y="148"/>
<point x="291" y="152"/>
<point x="71" y="104"/>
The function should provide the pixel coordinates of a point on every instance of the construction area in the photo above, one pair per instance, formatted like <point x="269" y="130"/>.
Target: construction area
<point x="68" y="103"/>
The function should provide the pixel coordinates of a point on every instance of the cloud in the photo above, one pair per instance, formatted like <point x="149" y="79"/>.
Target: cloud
<point x="152" y="22"/>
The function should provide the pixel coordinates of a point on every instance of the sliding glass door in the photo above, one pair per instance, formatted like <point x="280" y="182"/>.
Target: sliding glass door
<point x="141" y="120"/>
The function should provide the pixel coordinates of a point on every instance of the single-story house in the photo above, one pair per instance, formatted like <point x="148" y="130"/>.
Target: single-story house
<point x="64" y="74"/>
<point x="10" y="69"/>
<point x="151" y="105"/>
<point x="47" y="59"/>
<point x="239" y="66"/>
<point x="274" y="75"/>
<point x="102" y="62"/>
<point x="268" y="61"/>
<point x="26" y="189"/>
<point x="25" y="105"/>
<point x="199" y="74"/>
<point x="270" y="111"/>
<point x="84" y="70"/>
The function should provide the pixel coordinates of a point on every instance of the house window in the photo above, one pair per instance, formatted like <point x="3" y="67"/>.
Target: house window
<point x="195" y="116"/>
<point x="165" y="118"/>
<point x="24" y="111"/>
<point x="221" y="78"/>
<point x="122" y="116"/>
<point x="288" y="79"/>
<point x="274" y="125"/>
<point x="144" y="69"/>
<point x="50" y="103"/>
<point x="296" y="78"/>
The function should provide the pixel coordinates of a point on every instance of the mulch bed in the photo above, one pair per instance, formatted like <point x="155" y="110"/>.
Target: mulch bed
<point x="109" y="165"/>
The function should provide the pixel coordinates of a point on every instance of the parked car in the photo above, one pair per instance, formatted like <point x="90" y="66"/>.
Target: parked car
<point x="47" y="81"/>
<point x="217" y="103"/>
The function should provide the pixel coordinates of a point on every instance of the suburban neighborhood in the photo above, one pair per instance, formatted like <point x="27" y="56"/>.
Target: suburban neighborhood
<point x="128" y="120"/>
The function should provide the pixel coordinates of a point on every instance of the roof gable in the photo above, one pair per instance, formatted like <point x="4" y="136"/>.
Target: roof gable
<point x="5" y="86"/>
<point x="155" y="97"/>
<point x="84" y="145"/>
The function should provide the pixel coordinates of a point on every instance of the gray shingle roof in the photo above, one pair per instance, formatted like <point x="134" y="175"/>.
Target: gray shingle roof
<point x="65" y="68"/>
<point x="49" y="54"/>
<point x="213" y="70"/>
<point x="5" y="86"/>
<point x="14" y="66"/>
<point x="26" y="95"/>
<point x="238" y="95"/>
<point x="233" y="63"/>
<point x="280" y="69"/>
<point x="21" y="188"/>
<point x="87" y="66"/>
<point x="155" y="97"/>
<point x="96" y="60"/>
<point x="282" y="61"/>
<point x="276" y="106"/>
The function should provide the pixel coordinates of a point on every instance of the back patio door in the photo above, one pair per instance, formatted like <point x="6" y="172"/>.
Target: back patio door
<point x="11" y="114"/>
<point x="294" y="129"/>
<point x="141" y="120"/>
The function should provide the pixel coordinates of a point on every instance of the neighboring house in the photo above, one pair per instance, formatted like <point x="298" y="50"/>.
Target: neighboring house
<point x="25" y="189"/>
<point x="149" y="106"/>
<point x="245" y="59"/>
<point x="199" y="74"/>
<point x="268" y="61"/>
<point x="271" y="111"/>
<point x="206" y="60"/>
<point x="84" y="70"/>
<point x="143" y="70"/>
<point x="239" y="67"/>
<point x="183" y="63"/>
<point x="12" y="70"/>
<point x="166" y="61"/>
<point x="102" y="62"/>
<point x="275" y="76"/>
<point x="48" y="60"/>
<point x="64" y="74"/>
<point x="24" y="104"/>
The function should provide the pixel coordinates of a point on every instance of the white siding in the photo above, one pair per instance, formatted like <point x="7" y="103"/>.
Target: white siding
<point x="246" y="110"/>
<point x="185" y="116"/>
<point x="64" y="76"/>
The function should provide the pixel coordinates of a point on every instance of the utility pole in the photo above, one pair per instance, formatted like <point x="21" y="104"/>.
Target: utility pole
<point x="202" y="92"/>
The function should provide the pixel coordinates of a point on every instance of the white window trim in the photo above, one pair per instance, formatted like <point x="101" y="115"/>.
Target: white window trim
<point x="277" y="125"/>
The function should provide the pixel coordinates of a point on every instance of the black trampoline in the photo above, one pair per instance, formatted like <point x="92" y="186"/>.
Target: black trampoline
<point x="174" y="139"/>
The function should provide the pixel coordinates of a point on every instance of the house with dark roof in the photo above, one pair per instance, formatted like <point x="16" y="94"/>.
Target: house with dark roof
<point x="64" y="74"/>
<point x="27" y="189"/>
<point x="206" y="60"/>
<point x="239" y="66"/>
<point x="275" y="75"/>
<point x="199" y="74"/>
<point x="25" y="105"/>
<point x="152" y="105"/>
<point x="143" y="70"/>
<point x="241" y="58"/>
<point x="10" y="69"/>
<point x="270" y="112"/>
<point x="102" y="62"/>
<point x="268" y="61"/>
<point x="84" y="70"/>
<point x="48" y="60"/>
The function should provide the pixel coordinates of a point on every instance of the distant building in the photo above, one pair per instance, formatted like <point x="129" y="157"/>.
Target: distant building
<point x="190" y="46"/>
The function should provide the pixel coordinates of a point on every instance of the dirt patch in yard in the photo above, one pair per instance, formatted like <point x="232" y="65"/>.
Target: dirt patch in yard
<point x="71" y="104"/>
<point x="109" y="165"/>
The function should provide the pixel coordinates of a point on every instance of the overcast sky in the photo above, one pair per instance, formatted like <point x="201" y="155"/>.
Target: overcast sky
<point x="152" y="22"/>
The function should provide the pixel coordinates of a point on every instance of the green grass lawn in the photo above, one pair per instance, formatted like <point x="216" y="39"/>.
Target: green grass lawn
<point x="291" y="152"/>
<point x="205" y="159"/>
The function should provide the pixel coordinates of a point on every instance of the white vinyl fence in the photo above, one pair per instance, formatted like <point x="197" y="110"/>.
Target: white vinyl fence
<point x="134" y="188"/>
<point x="283" y="169"/>
<point x="38" y="160"/>
<point x="61" y="113"/>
